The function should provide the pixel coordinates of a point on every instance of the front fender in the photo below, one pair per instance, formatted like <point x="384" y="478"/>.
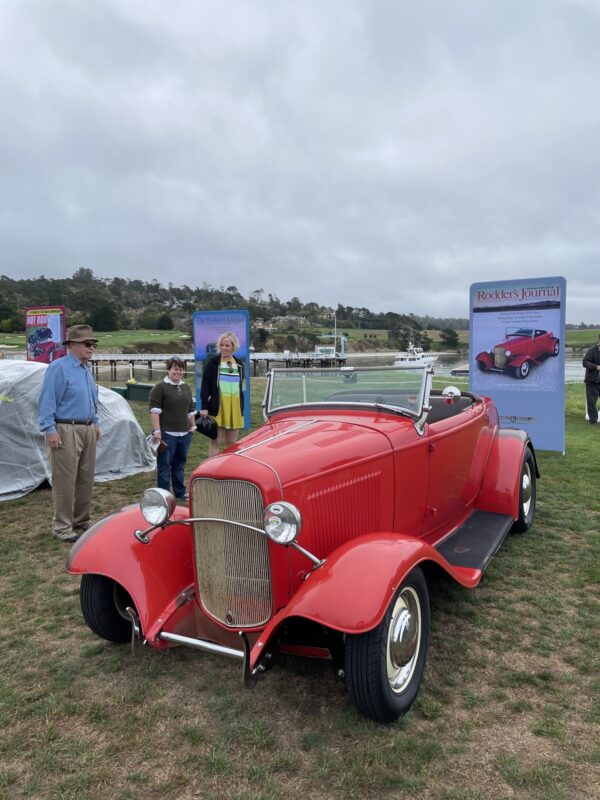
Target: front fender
<point x="501" y="483"/>
<point x="351" y="591"/>
<point x="485" y="359"/>
<point x="154" y="574"/>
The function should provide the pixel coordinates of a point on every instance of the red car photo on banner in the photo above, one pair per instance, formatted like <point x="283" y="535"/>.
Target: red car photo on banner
<point x="45" y="331"/>
<point x="516" y="354"/>
<point x="521" y="349"/>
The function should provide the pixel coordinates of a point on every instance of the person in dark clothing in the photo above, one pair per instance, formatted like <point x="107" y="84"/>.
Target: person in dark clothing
<point x="591" y="362"/>
<point x="221" y="393"/>
<point x="172" y="411"/>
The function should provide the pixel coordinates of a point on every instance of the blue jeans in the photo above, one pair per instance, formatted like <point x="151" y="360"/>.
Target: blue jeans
<point x="170" y="464"/>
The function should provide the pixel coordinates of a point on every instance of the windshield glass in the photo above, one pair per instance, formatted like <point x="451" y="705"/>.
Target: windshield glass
<point x="519" y="332"/>
<point x="399" y="389"/>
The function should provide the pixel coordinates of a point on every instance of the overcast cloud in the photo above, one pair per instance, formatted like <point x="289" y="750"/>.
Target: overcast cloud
<point x="383" y="154"/>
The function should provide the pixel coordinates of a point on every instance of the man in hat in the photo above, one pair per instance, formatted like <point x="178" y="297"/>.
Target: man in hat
<point x="68" y="416"/>
<point x="591" y="362"/>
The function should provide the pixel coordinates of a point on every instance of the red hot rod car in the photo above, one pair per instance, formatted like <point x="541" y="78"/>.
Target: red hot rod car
<point x="521" y="349"/>
<point x="315" y="534"/>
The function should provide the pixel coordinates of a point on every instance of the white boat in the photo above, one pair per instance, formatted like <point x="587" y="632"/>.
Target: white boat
<point x="413" y="356"/>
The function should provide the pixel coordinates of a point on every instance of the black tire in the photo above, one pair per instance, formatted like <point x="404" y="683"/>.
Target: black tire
<point x="482" y="366"/>
<point x="556" y="349"/>
<point x="523" y="371"/>
<point x="383" y="674"/>
<point x="103" y="604"/>
<point x="527" y="494"/>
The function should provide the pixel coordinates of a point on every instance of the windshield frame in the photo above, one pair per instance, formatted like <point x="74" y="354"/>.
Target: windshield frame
<point x="422" y="405"/>
<point x="521" y="333"/>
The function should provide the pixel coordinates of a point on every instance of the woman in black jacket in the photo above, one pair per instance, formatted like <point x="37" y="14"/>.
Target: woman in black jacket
<point x="221" y="392"/>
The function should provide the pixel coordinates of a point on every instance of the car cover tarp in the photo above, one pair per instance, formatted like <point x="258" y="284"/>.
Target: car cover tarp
<point x="122" y="449"/>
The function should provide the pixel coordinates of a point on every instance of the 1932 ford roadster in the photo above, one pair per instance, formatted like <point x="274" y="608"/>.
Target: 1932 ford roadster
<point x="315" y="533"/>
<point x="521" y="349"/>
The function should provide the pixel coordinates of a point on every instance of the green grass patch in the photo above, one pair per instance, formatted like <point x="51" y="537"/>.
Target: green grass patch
<point x="509" y="706"/>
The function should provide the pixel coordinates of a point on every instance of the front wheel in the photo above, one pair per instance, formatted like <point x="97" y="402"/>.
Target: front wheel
<point x="556" y="348"/>
<point x="481" y="365"/>
<point x="384" y="667"/>
<point x="523" y="371"/>
<point x="103" y="604"/>
<point x="527" y="495"/>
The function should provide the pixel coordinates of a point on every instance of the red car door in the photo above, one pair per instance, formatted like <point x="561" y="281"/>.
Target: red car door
<point x="458" y="450"/>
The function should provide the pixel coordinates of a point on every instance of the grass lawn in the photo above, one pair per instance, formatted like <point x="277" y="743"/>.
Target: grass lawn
<point x="581" y="339"/>
<point x="110" y="339"/>
<point x="510" y="705"/>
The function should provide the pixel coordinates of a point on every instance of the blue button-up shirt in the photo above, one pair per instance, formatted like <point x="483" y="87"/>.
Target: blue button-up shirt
<point x="69" y="391"/>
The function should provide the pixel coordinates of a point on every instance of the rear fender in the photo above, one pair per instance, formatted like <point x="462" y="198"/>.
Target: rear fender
<point x="351" y="591"/>
<point x="501" y="483"/>
<point x="154" y="574"/>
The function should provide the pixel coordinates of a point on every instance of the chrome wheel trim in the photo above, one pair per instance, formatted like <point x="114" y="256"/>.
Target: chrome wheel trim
<point x="524" y="369"/>
<point x="526" y="489"/>
<point x="404" y="640"/>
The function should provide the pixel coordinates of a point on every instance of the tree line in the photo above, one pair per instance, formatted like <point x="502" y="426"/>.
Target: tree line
<point x="119" y="303"/>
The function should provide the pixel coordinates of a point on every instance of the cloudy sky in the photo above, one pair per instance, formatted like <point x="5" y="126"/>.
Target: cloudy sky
<point x="377" y="153"/>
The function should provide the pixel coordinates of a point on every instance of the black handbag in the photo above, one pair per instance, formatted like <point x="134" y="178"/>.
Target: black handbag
<point x="206" y="426"/>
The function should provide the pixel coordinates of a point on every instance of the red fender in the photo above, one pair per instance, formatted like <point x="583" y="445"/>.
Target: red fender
<point x="517" y="361"/>
<point x="501" y="482"/>
<point x="485" y="359"/>
<point x="154" y="574"/>
<point x="351" y="591"/>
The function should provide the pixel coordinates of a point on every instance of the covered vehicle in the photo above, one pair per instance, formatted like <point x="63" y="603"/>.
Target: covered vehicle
<point x="122" y="449"/>
<point x="521" y="349"/>
<point x="316" y="533"/>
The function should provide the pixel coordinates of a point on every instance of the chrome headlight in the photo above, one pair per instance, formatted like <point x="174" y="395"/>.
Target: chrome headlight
<point x="507" y="353"/>
<point x="282" y="522"/>
<point x="157" y="505"/>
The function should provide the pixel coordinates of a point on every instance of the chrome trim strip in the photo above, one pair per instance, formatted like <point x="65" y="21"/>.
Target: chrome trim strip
<point x="297" y="428"/>
<point x="201" y="644"/>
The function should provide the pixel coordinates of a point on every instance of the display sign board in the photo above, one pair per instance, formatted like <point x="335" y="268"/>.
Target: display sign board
<point x="45" y="332"/>
<point x="517" y="334"/>
<point x="207" y="327"/>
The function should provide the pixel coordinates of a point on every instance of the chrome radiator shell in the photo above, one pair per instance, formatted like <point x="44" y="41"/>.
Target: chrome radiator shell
<point x="499" y="357"/>
<point x="232" y="563"/>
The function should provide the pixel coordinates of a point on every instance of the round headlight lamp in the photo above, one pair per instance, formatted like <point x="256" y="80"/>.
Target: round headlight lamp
<point x="157" y="505"/>
<point x="282" y="522"/>
<point x="507" y="353"/>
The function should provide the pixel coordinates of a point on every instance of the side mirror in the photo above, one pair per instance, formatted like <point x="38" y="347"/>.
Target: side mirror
<point x="451" y="394"/>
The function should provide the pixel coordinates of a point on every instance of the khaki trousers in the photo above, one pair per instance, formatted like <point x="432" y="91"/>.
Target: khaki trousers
<point x="73" y="467"/>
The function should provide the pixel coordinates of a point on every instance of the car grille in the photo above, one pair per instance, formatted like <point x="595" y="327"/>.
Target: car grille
<point x="499" y="357"/>
<point x="232" y="563"/>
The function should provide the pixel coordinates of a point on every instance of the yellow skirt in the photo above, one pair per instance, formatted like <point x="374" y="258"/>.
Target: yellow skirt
<point x="230" y="415"/>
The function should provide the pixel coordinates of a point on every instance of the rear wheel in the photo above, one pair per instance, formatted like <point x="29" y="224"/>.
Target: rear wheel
<point x="527" y="495"/>
<point x="103" y="604"/>
<point x="384" y="667"/>
<point x="523" y="371"/>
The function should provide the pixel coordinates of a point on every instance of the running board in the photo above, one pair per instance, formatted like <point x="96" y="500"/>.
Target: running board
<point x="477" y="541"/>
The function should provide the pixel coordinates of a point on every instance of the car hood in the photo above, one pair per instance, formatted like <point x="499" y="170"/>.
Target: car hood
<point x="514" y="341"/>
<point x="299" y="448"/>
